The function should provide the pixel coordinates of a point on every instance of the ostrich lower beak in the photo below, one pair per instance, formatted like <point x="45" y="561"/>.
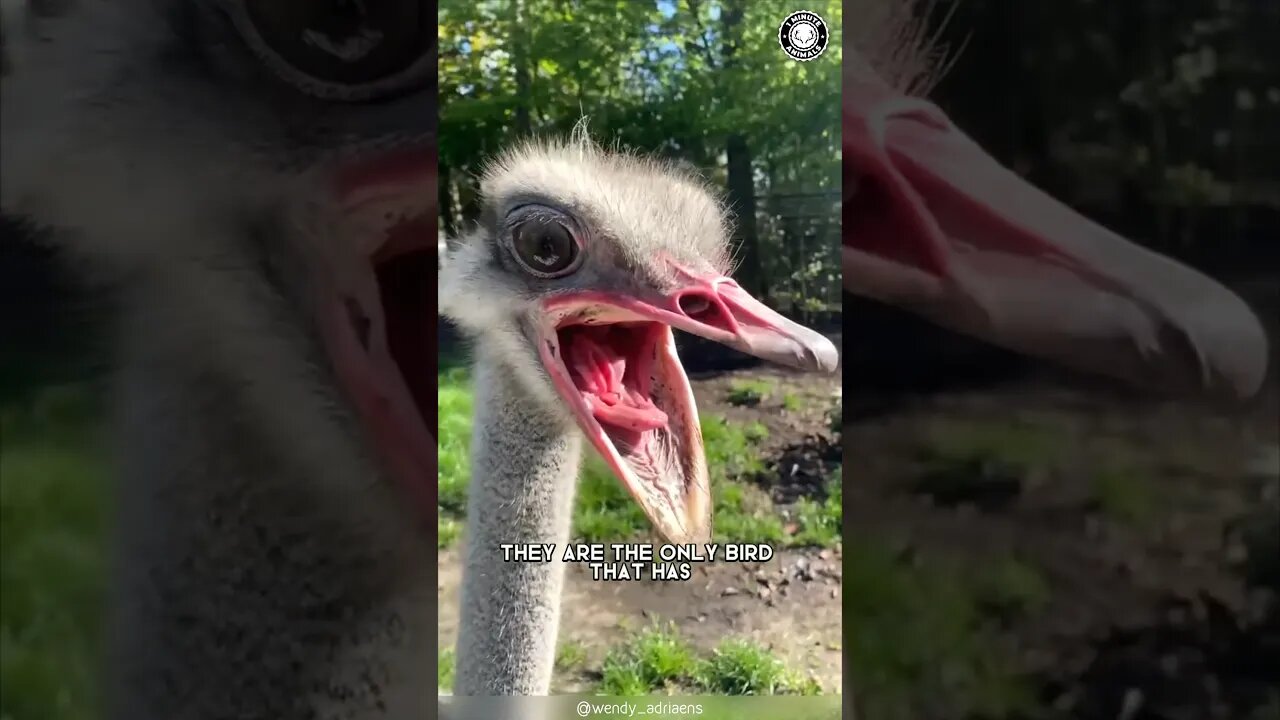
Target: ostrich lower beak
<point x="934" y="224"/>
<point x="613" y="360"/>
<point x="373" y="298"/>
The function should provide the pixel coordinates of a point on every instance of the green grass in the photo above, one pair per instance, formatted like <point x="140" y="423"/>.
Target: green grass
<point x="917" y="631"/>
<point x="1010" y="587"/>
<point x="604" y="511"/>
<point x="749" y="392"/>
<point x="570" y="655"/>
<point x="821" y="522"/>
<point x="1016" y="445"/>
<point x="52" y="513"/>
<point x="732" y="447"/>
<point x="446" y="668"/>
<point x="1123" y="492"/>
<point x="744" y="512"/>
<point x="653" y="660"/>
<point x="739" y="667"/>
<point x="454" y="402"/>
<point x="658" y="659"/>
<point x="449" y="530"/>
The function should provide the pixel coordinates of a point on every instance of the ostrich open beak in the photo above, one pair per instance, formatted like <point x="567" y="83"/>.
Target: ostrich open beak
<point x="612" y="357"/>
<point x="935" y="225"/>
<point x="375" y="312"/>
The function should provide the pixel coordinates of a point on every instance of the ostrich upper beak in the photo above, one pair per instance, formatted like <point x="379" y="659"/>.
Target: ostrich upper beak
<point x="612" y="358"/>
<point x="934" y="224"/>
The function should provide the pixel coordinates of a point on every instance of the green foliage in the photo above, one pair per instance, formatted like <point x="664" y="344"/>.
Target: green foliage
<point x="740" y="667"/>
<point x="1010" y="587"/>
<point x="821" y="522"/>
<point x="651" y="660"/>
<point x="673" y="78"/>
<point x="446" y="668"/>
<point x="659" y="659"/>
<point x="731" y="447"/>
<point x="744" y="513"/>
<point x="1159" y="114"/>
<point x="914" y="632"/>
<point x="454" y="404"/>
<point x="749" y="392"/>
<point x="52" y="513"/>
<point x="570" y="655"/>
<point x="603" y="509"/>
<point x="448" y="530"/>
<point x="1021" y="446"/>
<point x="1124" y="493"/>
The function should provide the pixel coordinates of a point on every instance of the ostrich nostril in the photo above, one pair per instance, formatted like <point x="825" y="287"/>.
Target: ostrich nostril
<point x="694" y="305"/>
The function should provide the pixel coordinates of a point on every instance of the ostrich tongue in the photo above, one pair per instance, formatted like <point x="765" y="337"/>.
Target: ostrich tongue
<point x="613" y="377"/>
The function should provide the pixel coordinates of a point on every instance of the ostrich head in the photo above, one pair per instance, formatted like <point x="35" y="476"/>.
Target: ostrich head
<point x="584" y="262"/>
<point x="935" y="225"/>
<point x="257" y="181"/>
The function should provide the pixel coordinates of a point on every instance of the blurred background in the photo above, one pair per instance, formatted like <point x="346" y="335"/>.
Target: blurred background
<point x="1025" y="544"/>
<point x="705" y="84"/>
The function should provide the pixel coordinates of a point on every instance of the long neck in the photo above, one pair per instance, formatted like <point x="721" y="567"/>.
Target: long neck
<point x="523" y="473"/>
<point x="263" y="568"/>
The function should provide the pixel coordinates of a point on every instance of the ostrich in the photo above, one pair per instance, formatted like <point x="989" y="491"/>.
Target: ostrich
<point x="254" y="183"/>
<point x="583" y="263"/>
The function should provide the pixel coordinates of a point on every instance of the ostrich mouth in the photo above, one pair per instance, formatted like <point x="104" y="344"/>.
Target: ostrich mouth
<point x="378" y="321"/>
<point x="613" y="361"/>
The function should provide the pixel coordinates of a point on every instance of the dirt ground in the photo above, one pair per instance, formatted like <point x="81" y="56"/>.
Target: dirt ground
<point x="1174" y="617"/>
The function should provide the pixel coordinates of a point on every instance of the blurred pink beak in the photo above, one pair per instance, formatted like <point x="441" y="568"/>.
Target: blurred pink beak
<point x="935" y="225"/>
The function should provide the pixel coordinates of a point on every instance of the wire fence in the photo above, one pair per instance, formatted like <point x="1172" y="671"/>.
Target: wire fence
<point x="800" y="250"/>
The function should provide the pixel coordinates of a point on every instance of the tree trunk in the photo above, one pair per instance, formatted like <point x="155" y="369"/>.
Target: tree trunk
<point x="520" y="62"/>
<point x="741" y="181"/>
<point x="1128" y="19"/>
<point x="742" y="198"/>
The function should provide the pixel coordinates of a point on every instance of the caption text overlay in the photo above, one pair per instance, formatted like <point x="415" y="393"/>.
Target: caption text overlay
<point x="637" y="561"/>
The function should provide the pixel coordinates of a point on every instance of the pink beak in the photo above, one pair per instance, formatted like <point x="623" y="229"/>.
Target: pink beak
<point x="934" y="224"/>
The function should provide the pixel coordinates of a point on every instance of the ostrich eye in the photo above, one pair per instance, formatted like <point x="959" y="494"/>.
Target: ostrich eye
<point x="351" y="50"/>
<point x="545" y="247"/>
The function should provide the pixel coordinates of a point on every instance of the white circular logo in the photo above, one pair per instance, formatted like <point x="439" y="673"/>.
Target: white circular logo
<point x="803" y="35"/>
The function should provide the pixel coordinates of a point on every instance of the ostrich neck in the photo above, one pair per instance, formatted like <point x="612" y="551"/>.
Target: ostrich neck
<point x="262" y="569"/>
<point x="523" y="472"/>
